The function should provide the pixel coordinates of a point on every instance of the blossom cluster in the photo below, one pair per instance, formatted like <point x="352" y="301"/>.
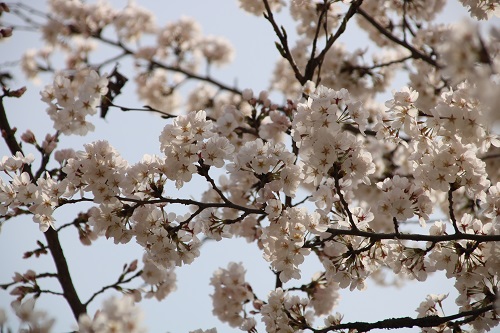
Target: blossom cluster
<point x="402" y="199"/>
<point x="19" y="191"/>
<point x="70" y="102"/>
<point x="284" y="238"/>
<point x="231" y="292"/>
<point x="116" y="315"/>
<point x="326" y="149"/>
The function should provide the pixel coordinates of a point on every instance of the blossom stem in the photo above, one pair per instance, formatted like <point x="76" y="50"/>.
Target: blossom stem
<point x="451" y="210"/>
<point x="336" y="176"/>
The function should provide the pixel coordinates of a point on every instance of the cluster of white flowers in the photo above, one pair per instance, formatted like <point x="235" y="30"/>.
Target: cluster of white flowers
<point x="446" y="143"/>
<point x="29" y="64"/>
<point x="402" y="113"/>
<point x="183" y="143"/>
<point x="316" y="129"/>
<point x="284" y="238"/>
<point x="116" y="315"/>
<point x="482" y="9"/>
<point x="324" y="296"/>
<point x="345" y="268"/>
<point x="181" y="35"/>
<point x="231" y="293"/>
<point x="492" y="204"/>
<point x="458" y="114"/>
<point x="133" y="21"/>
<point x="432" y="306"/>
<point x="41" y="197"/>
<point x="69" y="107"/>
<point x="35" y="320"/>
<point x="256" y="7"/>
<point x="305" y="13"/>
<point x="166" y="240"/>
<point x="285" y="313"/>
<point x="431" y="145"/>
<point x="86" y="18"/>
<point x="99" y="170"/>
<point x="479" y="285"/>
<point x="155" y="89"/>
<point x="270" y="166"/>
<point x="402" y="200"/>
<point x="451" y="163"/>
<point x="216" y="50"/>
<point x="160" y="280"/>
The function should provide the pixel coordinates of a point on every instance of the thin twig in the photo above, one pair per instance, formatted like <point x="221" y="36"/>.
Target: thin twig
<point x="188" y="74"/>
<point x="336" y="177"/>
<point x="282" y="36"/>
<point x="416" y="54"/>
<point x="113" y="286"/>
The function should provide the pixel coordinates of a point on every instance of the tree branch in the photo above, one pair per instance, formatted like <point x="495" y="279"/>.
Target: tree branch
<point x="283" y="47"/>
<point x="414" y="237"/>
<point x="317" y="61"/>
<point x="392" y="323"/>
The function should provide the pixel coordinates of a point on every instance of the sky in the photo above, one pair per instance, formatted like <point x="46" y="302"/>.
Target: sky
<point x="134" y="134"/>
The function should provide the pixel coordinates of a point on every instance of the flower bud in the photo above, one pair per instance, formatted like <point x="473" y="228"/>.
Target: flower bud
<point x="247" y="94"/>
<point x="5" y="32"/>
<point x="28" y="137"/>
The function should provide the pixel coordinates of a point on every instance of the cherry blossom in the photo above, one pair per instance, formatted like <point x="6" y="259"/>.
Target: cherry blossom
<point x="322" y="165"/>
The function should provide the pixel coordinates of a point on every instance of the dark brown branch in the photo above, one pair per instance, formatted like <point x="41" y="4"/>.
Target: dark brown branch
<point x="63" y="274"/>
<point x="203" y="170"/>
<point x="38" y="276"/>
<point x="189" y="202"/>
<point x="414" y="237"/>
<point x="488" y="157"/>
<point x="146" y="108"/>
<point x="392" y="323"/>
<point x="46" y="291"/>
